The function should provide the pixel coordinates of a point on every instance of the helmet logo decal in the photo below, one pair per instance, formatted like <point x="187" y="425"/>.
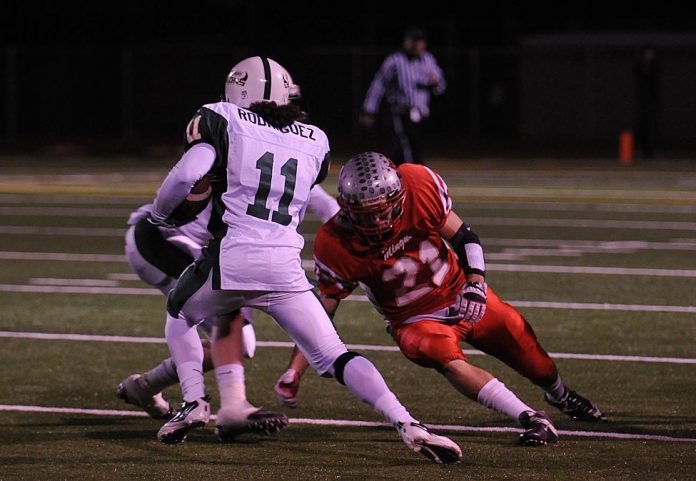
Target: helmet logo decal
<point x="238" y="78"/>
<point x="286" y="81"/>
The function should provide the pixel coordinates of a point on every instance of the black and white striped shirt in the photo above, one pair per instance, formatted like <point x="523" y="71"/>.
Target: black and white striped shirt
<point x="404" y="81"/>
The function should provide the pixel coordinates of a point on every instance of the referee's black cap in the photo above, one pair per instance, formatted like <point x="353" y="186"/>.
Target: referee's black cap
<point x="415" y="34"/>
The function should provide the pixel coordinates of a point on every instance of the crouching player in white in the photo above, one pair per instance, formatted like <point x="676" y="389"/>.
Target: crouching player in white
<point x="262" y="163"/>
<point x="158" y="255"/>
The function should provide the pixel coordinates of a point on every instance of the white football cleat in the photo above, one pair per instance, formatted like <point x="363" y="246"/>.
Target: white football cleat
<point x="420" y="439"/>
<point x="134" y="391"/>
<point x="231" y="422"/>
<point x="190" y="415"/>
<point x="286" y="388"/>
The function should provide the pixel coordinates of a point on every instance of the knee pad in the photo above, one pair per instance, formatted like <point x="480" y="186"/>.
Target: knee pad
<point x="340" y="364"/>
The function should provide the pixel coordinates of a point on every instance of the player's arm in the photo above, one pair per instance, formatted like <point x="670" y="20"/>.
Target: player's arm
<point x="193" y="166"/>
<point x="467" y="246"/>
<point x="376" y="91"/>
<point x="322" y="203"/>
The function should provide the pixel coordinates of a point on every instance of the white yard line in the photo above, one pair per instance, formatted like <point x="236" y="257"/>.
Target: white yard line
<point x="600" y="246"/>
<point x="142" y="291"/>
<point x="53" y="281"/>
<point x="65" y="212"/>
<point x="581" y="207"/>
<point x="361" y="347"/>
<point x="309" y="265"/>
<point x="621" y="271"/>
<point x="91" y="200"/>
<point x="60" y="256"/>
<point x="355" y="423"/>
<point x="51" y="231"/>
<point x="583" y="223"/>
<point x="488" y="221"/>
<point x="555" y="191"/>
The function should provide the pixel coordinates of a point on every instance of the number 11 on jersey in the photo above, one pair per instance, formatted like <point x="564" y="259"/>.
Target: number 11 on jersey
<point x="258" y="209"/>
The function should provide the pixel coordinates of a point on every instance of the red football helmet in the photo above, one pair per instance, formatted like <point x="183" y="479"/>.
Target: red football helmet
<point x="371" y="194"/>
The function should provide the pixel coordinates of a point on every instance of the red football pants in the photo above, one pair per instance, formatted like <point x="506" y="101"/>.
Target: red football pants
<point x="502" y="333"/>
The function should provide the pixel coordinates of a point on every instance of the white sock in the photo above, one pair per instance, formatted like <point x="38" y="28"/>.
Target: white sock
<point x="187" y="352"/>
<point x="161" y="376"/>
<point x="364" y="380"/>
<point x="494" y="395"/>
<point x="230" y="380"/>
<point x="556" y="391"/>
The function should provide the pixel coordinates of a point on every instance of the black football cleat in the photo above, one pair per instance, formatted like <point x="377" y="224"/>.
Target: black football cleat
<point x="578" y="408"/>
<point x="538" y="429"/>
<point x="189" y="416"/>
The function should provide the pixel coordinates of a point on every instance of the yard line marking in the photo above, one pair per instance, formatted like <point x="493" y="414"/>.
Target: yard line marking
<point x="583" y="223"/>
<point x="127" y="291"/>
<point x="86" y="178"/>
<point x="62" y="231"/>
<point x="623" y="271"/>
<point x="602" y="307"/>
<point x="52" y="281"/>
<point x="604" y="246"/>
<point x="309" y="264"/>
<point x="123" y="276"/>
<point x="91" y="200"/>
<point x="584" y="206"/>
<point x="141" y="291"/>
<point x="65" y="212"/>
<point x="362" y="347"/>
<point x="355" y="423"/>
<point x="61" y="256"/>
<point x="496" y="221"/>
<point x="497" y="192"/>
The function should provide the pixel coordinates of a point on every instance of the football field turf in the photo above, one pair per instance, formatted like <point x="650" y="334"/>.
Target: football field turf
<point x="600" y="259"/>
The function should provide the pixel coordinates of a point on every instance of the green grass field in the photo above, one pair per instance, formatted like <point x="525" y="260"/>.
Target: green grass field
<point x="601" y="260"/>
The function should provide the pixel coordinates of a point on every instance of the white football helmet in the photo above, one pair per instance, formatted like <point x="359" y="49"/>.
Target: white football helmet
<point x="259" y="79"/>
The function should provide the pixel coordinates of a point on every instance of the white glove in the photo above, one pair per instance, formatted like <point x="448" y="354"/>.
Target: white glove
<point x="473" y="304"/>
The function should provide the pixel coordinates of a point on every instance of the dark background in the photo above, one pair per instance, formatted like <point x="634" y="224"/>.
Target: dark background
<point x="547" y="79"/>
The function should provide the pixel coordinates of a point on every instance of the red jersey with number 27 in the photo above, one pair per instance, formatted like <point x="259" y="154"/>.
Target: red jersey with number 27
<point x="415" y="273"/>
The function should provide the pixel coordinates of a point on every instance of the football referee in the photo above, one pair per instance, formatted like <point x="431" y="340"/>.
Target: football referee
<point x="405" y="80"/>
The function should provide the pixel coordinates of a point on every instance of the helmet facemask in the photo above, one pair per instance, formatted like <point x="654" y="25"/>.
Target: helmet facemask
<point x="372" y="196"/>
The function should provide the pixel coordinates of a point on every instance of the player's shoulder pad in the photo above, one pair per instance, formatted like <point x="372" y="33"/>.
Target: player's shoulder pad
<point x="206" y="123"/>
<point x="427" y="190"/>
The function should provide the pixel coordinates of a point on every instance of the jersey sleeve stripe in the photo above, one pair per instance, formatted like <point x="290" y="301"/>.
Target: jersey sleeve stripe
<point x="193" y="132"/>
<point x="341" y="283"/>
<point x="267" y="74"/>
<point x="445" y="198"/>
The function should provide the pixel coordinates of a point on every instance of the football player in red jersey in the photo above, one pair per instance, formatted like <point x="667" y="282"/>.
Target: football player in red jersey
<point x="423" y="269"/>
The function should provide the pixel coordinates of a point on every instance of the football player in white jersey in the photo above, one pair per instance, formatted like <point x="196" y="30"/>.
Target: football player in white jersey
<point x="262" y="163"/>
<point x="158" y="255"/>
